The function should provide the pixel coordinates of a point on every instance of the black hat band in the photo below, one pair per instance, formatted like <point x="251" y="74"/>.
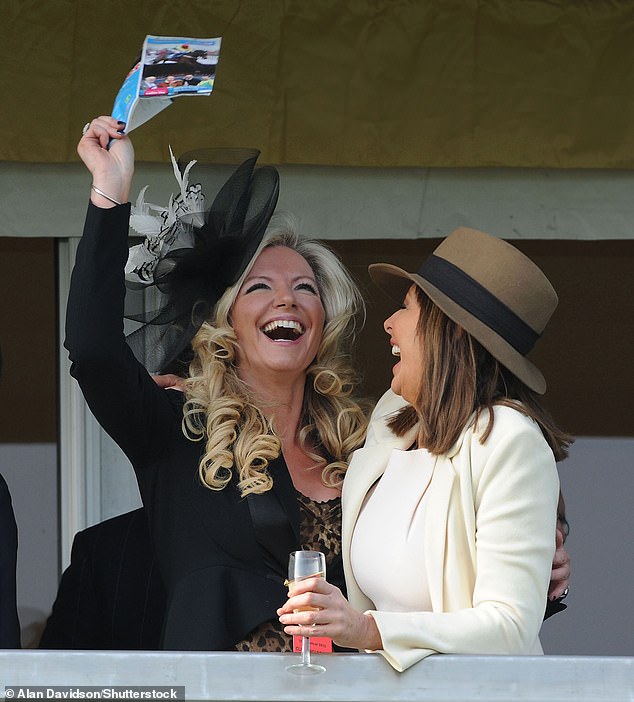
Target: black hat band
<point x="479" y="302"/>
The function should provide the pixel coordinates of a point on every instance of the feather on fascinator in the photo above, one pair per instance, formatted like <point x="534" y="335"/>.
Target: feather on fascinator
<point x="192" y="253"/>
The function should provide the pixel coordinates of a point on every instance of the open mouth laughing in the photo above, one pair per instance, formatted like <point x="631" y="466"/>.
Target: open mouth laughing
<point x="283" y="329"/>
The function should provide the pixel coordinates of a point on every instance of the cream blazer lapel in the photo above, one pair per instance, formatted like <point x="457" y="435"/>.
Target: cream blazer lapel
<point x="366" y="467"/>
<point x="439" y="495"/>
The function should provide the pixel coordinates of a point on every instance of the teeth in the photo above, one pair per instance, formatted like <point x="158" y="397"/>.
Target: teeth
<point x="284" y="324"/>
<point x="396" y="350"/>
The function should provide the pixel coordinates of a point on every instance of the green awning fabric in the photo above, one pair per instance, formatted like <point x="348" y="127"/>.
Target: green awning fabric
<point x="445" y="83"/>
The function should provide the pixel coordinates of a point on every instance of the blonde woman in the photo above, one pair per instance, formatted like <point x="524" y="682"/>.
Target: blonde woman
<point x="247" y="464"/>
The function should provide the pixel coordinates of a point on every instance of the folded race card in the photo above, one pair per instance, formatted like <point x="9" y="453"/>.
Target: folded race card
<point x="168" y="67"/>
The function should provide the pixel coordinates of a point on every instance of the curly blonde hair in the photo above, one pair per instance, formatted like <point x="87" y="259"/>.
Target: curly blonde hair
<point x="221" y="410"/>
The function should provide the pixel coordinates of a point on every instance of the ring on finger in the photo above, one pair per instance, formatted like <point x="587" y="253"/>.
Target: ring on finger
<point x="85" y="128"/>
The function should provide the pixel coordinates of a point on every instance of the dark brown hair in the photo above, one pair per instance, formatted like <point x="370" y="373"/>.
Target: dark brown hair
<point x="460" y="378"/>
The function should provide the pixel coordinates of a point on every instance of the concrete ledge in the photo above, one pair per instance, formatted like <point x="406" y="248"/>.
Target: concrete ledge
<point x="362" y="203"/>
<point x="354" y="678"/>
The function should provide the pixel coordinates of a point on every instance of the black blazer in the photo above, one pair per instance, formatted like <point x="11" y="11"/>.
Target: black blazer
<point x="222" y="558"/>
<point x="9" y="622"/>
<point x="111" y="596"/>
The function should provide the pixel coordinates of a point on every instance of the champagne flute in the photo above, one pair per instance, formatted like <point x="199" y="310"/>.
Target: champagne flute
<point x="302" y="565"/>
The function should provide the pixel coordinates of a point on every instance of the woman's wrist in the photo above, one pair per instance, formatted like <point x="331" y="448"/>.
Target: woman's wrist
<point x="372" y="637"/>
<point x="101" y="198"/>
<point x="106" y="196"/>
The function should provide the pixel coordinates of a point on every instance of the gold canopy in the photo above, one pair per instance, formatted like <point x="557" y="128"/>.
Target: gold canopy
<point x="453" y="83"/>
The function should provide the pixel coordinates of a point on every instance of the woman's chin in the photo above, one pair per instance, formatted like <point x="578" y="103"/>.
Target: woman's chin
<point x="395" y="386"/>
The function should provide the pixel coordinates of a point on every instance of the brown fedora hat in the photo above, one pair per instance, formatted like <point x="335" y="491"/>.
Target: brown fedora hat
<point x="490" y="289"/>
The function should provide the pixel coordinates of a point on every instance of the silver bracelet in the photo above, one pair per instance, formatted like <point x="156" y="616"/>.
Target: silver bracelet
<point x="101" y="192"/>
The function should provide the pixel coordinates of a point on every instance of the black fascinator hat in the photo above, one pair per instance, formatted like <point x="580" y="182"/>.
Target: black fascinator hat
<point x="193" y="252"/>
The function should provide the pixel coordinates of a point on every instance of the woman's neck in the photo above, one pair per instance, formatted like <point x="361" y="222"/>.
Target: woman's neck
<point x="281" y="402"/>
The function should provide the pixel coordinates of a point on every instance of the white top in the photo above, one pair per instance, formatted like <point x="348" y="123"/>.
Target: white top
<point x="387" y="553"/>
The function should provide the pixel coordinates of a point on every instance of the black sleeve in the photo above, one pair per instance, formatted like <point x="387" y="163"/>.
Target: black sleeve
<point x="76" y="619"/>
<point x="554" y="607"/>
<point x="119" y="391"/>
<point x="9" y="623"/>
<point x="111" y="596"/>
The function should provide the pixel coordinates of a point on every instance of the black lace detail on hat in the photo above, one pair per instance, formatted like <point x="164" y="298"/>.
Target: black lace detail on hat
<point x="203" y="254"/>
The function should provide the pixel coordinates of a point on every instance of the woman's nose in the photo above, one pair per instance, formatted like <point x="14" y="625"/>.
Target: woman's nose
<point x="284" y="297"/>
<point x="387" y="325"/>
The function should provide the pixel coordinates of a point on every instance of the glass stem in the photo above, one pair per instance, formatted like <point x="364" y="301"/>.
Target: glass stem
<point x="305" y="650"/>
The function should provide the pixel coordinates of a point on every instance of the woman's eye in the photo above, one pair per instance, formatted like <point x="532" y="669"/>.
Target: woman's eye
<point x="307" y="286"/>
<point x="256" y="286"/>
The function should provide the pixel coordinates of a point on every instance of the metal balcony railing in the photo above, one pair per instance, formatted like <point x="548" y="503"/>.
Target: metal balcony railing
<point x="261" y="677"/>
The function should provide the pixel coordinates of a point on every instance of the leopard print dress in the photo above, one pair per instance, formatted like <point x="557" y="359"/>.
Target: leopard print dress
<point x="320" y="530"/>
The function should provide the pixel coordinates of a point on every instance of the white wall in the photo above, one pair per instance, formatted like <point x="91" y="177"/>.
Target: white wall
<point x="31" y="473"/>
<point x="598" y="483"/>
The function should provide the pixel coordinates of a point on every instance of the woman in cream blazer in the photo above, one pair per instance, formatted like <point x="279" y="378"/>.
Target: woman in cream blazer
<point x="497" y="598"/>
<point x="449" y="508"/>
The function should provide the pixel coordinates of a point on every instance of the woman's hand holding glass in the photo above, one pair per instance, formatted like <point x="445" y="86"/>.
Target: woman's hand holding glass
<point x="317" y="608"/>
<point x="305" y="565"/>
